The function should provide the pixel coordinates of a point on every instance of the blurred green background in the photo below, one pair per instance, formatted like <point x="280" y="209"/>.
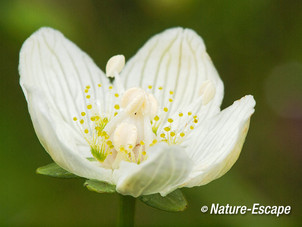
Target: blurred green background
<point x="256" y="47"/>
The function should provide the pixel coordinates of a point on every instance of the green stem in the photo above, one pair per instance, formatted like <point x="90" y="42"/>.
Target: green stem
<point x="127" y="211"/>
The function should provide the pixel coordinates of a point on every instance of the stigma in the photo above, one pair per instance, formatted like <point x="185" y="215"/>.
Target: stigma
<point x="133" y="120"/>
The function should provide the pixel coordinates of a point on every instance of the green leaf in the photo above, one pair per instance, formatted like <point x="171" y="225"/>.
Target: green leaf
<point x="175" y="201"/>
<point x="99" y="186"/>
<point x="54" y="170"/>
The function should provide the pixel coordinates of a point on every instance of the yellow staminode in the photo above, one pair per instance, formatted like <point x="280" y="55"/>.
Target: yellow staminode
<point x="102" y="144"/>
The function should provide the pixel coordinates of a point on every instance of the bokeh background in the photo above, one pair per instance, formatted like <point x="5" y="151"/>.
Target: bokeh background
<point x="257" y="49"/>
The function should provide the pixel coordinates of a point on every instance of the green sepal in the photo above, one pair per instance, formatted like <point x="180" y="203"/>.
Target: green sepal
<point x="99" y="186"/>
<point x="54" y="170"/>
<point x="175" y="201"/>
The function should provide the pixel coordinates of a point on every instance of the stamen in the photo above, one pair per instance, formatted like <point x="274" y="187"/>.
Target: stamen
<point x="115" y="65"/>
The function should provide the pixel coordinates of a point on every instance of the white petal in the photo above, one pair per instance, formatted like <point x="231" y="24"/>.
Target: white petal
<point x="216" y="144"/>
<point x="175" y="59"/>
<point x="164" y="170"/>
<point x="54" y="68"/>
<point x="60" y="70"/>
<point x="57" y="137"/>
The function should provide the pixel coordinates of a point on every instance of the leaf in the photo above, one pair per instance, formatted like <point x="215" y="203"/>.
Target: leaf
<point x="175" y="201"/>
<point x="54" y="170"/>
<point x="99" y="186"/>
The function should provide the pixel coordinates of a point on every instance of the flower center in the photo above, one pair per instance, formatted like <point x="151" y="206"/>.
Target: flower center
<point x="131" y="121"/>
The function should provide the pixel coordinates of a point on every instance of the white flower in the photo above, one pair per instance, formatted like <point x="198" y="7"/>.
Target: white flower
<point x="157" y="128"/>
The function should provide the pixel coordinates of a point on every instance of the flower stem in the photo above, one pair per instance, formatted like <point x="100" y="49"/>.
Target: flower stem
<point x="127" y="211"/>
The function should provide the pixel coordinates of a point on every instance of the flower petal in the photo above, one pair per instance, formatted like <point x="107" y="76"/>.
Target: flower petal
<point x="177" y="61"/>
<point x="54" y="73"/>
<point x="215" y="145"/>
<point x="164" y="170"/>
<point x="61" y="71"/>
<point x="57" y="137"/>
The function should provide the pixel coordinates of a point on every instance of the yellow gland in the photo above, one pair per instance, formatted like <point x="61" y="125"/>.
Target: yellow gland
<point x="167" y="129"/>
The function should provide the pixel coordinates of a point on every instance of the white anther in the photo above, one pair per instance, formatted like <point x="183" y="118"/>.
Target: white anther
<point x="115" y="65"/>
<point x="208" y="91"/>
<point x="137" y="101"/>
<point x="124" y="135"/>
<point x="130" y="95"/>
